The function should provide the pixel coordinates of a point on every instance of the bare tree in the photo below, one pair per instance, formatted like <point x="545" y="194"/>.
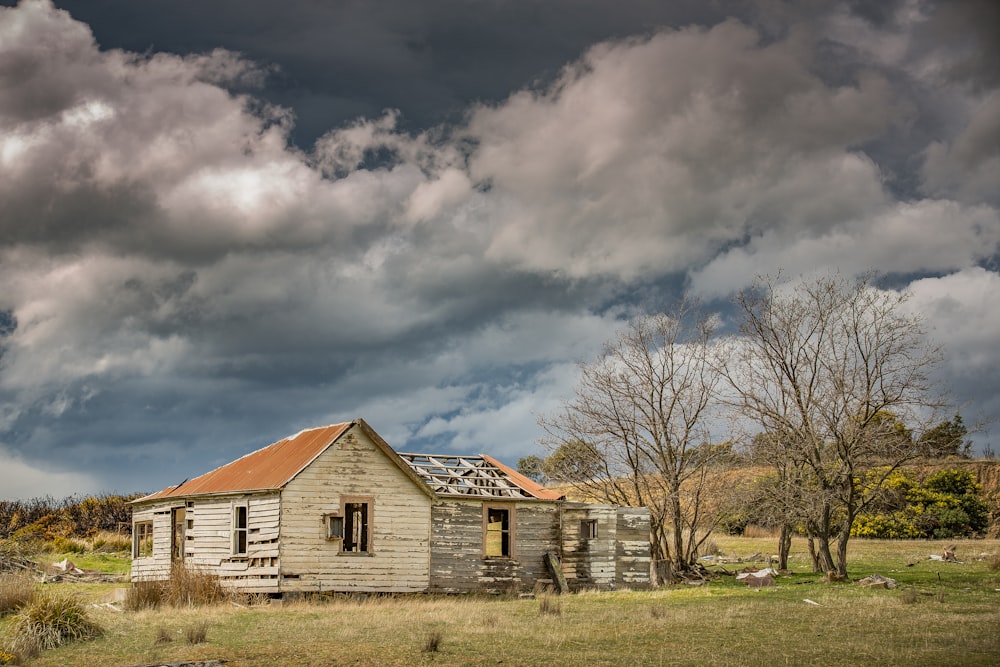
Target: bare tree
<point x="641" y="418"/>
<point x="832" y="366"/>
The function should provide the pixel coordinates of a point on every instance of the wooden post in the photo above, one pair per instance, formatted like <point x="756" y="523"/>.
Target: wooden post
<point x="555" y="567"/>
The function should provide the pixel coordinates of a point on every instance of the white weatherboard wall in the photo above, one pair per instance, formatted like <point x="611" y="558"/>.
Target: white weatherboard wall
<point x="399" y="556"/>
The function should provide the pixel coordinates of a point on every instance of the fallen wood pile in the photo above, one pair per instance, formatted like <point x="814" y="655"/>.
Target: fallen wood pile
<point x="15" y="558"/>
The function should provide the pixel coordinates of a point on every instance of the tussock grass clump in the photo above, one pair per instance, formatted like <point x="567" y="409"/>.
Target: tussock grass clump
<point x="162" y="636"/>
<point x="16" y="590"/>
<point x="51" y="619"/>
<point x="66" y="545"/>
<point x="144" y="595"/>
<point x="197" y="633"/>
<point x="657" y="612"/>
<point x="995" y="562"/>
<point x="909" y="597"/>
<point x="190" y="587"/>
<point x="549" y="606"/>
<point x="433" y="642"/>
<point x="106" y="541"/>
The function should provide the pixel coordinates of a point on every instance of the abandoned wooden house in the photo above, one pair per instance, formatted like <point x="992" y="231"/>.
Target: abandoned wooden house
<point x="337" y="509"/>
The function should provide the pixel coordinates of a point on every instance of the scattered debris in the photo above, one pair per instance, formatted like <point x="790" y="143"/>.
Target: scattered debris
<point x="808" y="601"/>
<point x="66" y="570"/>
<point x="767" y="571"/>
<point x="759" y="579"/>
<point x="877" y="581"/>
<point x="757" y="583"/>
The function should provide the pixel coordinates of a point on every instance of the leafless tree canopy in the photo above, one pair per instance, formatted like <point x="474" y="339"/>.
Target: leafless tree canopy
<point x="641" y="417"/>
<point x="828" y="368"/>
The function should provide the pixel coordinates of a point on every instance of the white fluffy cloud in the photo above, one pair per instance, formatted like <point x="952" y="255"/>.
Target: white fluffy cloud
<point x="181" y="275"/>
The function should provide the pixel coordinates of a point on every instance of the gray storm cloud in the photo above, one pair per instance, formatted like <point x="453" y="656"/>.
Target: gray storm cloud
<point x="184" y="278"/>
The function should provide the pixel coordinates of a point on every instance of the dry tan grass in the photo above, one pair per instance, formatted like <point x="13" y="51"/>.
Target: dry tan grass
<point x="16" y="590"/>
<point x="678" y="626"/>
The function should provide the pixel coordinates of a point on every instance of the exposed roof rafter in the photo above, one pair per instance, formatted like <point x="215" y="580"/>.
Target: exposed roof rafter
<point x="464" y="476"/>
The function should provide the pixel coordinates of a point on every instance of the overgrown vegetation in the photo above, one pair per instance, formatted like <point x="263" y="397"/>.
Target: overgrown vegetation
<point x="945" y="504"/>
<point x="47" y="518"/>
<point x="49" y="620"/>
<point x="16" y="590"/>
<point x="940" y="613"/>
<point x="187" y="587"/>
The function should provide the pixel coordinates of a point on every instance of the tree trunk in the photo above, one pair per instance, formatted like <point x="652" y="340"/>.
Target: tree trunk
<point x="677" y="519"/>
<point x="784" y="546"/>
<point x="825" y="562"/>
<point x="812" y="553"/>
<point x="842" y="539"/>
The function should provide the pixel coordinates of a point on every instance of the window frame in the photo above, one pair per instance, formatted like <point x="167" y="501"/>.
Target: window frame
<point x="589" y="529"/>
<point x="343" y="518"/>
<point x="142" y="532"/>
<point x="178" y="533"/>
<point x="238" y="531"/>
<point x="511" y="510"/>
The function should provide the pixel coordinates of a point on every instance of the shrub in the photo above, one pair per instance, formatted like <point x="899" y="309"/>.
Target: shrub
<point x="190" y="587"/>
<point x="48" y="621"/>
<point x="108" y="542"/>
<point x="548" y="605"/>
<point x="16" y="590"/>
<point x="945" y="505"/>
<point x="433" y="642"/>
<point x="66" y="545"/>
<point x="144" y="595"/>
<point x="198" y="633"/>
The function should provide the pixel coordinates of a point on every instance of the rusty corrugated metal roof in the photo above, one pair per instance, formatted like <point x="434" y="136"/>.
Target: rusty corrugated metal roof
<point x="269" y="468"/>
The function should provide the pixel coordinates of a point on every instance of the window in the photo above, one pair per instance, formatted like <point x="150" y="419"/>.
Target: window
<point x="240" y="530"/>
<point x="588" y="529"/>
<point x="177" y="534"/>
<point x="352" y="526"/>
<point x="142" y="539"/>
<point x="498" y="534"/>
<point x="355" y="527"/>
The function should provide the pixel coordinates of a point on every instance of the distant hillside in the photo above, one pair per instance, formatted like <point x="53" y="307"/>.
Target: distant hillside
<point x="986" y="472"/>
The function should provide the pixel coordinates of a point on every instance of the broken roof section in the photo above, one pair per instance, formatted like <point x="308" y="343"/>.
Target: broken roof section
<point x="479" y="476"/>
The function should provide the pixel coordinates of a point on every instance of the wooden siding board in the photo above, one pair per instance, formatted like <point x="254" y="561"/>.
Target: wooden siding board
<point x="457" y="562"/>
<point x="355" y="466"/>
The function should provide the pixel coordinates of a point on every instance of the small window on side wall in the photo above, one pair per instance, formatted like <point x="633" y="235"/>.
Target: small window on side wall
<point x="240" y="530"/>
<point x="498" y="533"/>
<point x="142" y="539"/>
<point x="588" y="529"/>
<point x="352" y="526"/>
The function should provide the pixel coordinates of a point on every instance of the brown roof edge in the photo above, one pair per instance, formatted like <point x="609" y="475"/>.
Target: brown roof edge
<point x="394" y="457"/>
<point x="529" y="485"/>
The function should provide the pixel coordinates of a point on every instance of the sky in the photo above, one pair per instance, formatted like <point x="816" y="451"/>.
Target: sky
<point x="221" y="223"/>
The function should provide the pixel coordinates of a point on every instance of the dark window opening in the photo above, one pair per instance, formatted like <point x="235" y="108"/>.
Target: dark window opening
<point x="354" y="530"/>
<point x="588" y="529"/>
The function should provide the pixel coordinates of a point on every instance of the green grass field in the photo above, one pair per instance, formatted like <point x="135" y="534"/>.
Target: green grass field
<point x="940" y="614"/>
